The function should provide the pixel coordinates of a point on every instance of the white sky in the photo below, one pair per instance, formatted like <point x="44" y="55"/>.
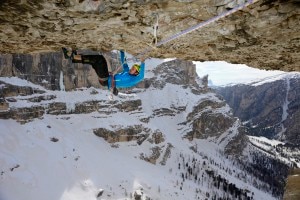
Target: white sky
<point x="223" y="73"/>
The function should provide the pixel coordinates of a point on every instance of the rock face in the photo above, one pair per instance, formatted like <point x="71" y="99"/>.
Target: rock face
<point x="137" y="133"/>
<point x="292" y="186"/>
<point x="50" y="70"/>
<point x="208" y="123"/>
<point x="54" y="72"/>
<point x="47" y="104"/>
<point x="270" y="110"/>
<point x="263" y="35"/>
<point x="177" y="72"/>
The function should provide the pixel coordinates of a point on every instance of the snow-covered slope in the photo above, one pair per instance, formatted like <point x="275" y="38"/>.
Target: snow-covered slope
<point x="285" y="76"/>
<point x="287" y="153"/>
<point x="61" y="156"/>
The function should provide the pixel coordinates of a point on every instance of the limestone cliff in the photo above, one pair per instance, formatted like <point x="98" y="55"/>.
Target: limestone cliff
<point x="48" y="69"/>
<point x="263" y="35"/>
<point x="270" y="109"/>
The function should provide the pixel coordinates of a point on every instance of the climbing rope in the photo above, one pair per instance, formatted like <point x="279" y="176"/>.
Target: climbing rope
<point x="200" y="25"/>
<point x="155" y="28"/>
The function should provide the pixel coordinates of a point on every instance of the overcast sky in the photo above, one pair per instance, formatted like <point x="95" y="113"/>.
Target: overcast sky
<point x="223" y="73"/>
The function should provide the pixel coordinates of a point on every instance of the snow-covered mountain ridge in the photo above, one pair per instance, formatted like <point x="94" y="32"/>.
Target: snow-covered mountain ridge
<point x="168" y="140"/>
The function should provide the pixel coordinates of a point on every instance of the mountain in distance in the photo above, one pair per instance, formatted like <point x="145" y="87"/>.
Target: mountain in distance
<point x="268" y="107"/>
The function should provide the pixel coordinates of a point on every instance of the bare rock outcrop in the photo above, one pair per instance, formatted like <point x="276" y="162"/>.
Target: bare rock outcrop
<point x="208" y="121"/>
<point x="47" y="104"/>
<point x="49" y="70"/>
<point x="133" y="133"/>
<point x="263" y="35"/>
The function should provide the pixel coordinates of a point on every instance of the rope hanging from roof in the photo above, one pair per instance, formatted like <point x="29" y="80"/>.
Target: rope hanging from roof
<point x="197" y="26"/>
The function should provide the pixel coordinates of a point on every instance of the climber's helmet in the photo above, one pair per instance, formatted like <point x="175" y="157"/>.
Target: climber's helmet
<point x="135" y="69"/>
